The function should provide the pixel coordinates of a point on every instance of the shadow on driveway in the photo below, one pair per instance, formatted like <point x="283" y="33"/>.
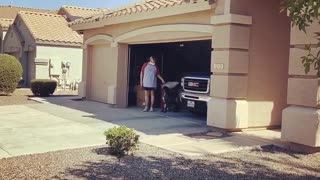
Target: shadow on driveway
<point x="155" y="123"/>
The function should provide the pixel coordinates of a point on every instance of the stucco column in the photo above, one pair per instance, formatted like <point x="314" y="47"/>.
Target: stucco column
<point x="228" y="108"/>
<point x="121" y="56"/>
<point x="301" y="121"/>
<point x="249" y="64"/>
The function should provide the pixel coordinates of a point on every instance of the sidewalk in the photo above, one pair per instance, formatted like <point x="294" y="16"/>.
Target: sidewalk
<point x="215" y="142"/>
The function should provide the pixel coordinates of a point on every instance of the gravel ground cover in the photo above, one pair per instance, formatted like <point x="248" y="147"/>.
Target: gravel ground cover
<point x="153" y="163"/>
<point x="21" y="95"/>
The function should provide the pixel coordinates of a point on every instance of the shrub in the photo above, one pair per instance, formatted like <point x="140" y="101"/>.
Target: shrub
<point x="121" y="140"/>
<point x="10" y="73"/>
<point x="43" y="87"/>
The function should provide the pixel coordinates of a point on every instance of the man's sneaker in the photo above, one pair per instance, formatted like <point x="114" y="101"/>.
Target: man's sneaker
<point x="145" y="109"/>
<point x="151" y="109"/>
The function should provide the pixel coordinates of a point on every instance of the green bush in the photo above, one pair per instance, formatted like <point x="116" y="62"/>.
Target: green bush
<point x="121" y="140"/>
<point x="10" y="73"/>
<point x="43" y="87"/>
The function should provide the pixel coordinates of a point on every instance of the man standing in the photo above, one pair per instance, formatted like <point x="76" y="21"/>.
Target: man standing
<point x="148" y="80"/>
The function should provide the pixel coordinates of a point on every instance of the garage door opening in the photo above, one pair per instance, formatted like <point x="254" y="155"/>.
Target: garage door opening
<point x="175" y="60"/>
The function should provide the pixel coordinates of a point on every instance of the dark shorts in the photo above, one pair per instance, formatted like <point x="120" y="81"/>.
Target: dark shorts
<point x="149" y="88"/>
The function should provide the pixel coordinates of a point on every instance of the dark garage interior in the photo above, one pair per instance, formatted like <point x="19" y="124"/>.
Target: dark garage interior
<point x="174" y="60"/>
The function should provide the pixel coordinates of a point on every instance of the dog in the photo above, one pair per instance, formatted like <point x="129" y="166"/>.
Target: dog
<point x="170" y="99"/>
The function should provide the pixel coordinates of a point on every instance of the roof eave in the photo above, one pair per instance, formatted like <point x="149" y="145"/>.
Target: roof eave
<point x="61" y="44"/>
<point x="164" y="12"/>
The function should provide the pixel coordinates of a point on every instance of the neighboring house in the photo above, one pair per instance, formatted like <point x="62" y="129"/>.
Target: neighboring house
<point x="46" y="46"/>
<point x="44" y="43"/>
<point x="8" y="14"/>
<point x="4" y="26"/>
<point x="73" y="12"/>
<point x="250" y="85"/>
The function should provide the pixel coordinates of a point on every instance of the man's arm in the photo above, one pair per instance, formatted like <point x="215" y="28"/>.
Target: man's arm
<point x="159" y="76"/>
<point x="162" y="80"/>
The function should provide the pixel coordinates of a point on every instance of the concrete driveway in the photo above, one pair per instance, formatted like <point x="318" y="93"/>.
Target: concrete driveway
<point x="60" y="123"/>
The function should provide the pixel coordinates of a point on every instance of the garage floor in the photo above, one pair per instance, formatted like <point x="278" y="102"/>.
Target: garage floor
<point x="61" y="123"/>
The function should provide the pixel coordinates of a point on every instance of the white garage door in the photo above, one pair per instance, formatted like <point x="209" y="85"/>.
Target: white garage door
<point x="103" y="73"/>
<point x="98" y="86"/>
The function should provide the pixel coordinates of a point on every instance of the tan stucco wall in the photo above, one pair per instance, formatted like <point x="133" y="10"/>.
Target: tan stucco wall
<point x="301" y="122"/>
<point x="259" y="76"/>
<point x="119" y="29"/>
<point x="72" y="55"/>
<point x="268" y="65"/>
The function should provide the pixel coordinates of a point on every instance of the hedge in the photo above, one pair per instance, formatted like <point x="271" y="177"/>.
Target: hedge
<point x="10" y="73"/>
<point x="43" y="87"/>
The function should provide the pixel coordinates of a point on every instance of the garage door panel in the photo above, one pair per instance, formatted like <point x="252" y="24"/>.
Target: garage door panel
<point x="103" y="73"/>
<point x="98" y="89"/>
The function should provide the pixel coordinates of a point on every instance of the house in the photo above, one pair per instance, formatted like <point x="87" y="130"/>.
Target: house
<point x="46" y="46"/>
<point x="257" y="78"/>
<point x="7" y="15"/>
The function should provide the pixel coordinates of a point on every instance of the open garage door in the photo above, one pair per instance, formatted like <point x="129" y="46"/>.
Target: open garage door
<point x="174" y="60"/>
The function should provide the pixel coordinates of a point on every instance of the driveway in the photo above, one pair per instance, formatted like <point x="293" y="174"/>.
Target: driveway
<point x="60" y="123"/>
<point x="65" y="124"/>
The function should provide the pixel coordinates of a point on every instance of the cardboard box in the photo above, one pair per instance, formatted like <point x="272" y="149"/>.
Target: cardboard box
<point x="140" y="96"/>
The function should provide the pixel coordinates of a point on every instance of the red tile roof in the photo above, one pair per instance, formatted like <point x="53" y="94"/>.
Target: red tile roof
<point x="138" y="7"/>
<point x="10" y="12"/>
<point x="82" y="11"/>
<point x="50" y="29"/>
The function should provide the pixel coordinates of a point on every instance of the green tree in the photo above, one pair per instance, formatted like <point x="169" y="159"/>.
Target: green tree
<point x="303" y="13"/>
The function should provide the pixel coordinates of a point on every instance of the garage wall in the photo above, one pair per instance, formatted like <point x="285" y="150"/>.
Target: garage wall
<point x="73" y="55"/>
